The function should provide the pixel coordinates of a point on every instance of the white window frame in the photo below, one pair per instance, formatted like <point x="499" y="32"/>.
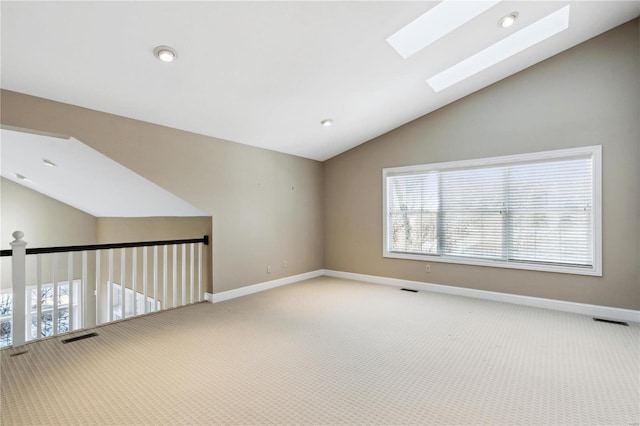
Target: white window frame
<point x="7" y="318"/>
<point x="76" y="305"/>
<point x="596" y="155"/>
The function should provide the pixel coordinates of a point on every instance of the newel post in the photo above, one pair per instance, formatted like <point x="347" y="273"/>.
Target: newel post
<point x="18" y="277"/>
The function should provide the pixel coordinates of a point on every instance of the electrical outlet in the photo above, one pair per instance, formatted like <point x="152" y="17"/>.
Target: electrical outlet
<point x="427" y="268"/>
<point x="268" y="269"/>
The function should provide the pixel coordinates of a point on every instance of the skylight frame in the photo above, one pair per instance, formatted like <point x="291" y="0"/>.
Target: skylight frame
<point x="517" y="42"/>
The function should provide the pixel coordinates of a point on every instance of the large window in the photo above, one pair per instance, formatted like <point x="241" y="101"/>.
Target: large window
<point x="539" y="211"/>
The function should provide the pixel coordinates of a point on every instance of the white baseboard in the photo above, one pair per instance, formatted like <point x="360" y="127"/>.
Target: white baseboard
<point x="607" y="312"/>
<point x="255" y="288"/>
<point x="617" y="314"/>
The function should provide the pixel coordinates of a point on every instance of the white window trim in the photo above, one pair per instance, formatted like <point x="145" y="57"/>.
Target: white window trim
<point x="76" y="306"/>
<point x="595" y="151"/>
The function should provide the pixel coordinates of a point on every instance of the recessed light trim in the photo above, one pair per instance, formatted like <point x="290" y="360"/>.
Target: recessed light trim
<point x="539" y="31"/>
<point x="49" y="163"/>
<point x="327" y="122"/>
<point x="165" y="53"/>
<point x="21" y="177"/>
<point x="437" y="22"/>
<point x="508" y="20"/>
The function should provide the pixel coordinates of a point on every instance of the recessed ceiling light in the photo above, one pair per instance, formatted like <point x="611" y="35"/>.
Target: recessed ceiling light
<point x="21" y="177"/>
<point x="327" y="123"/>
<point x="165" y="53"/>
<point x="437" y="22"/>
<point x="508" y="20"/>
<point x="49" y="162"/>
<point x="541" y="30"/>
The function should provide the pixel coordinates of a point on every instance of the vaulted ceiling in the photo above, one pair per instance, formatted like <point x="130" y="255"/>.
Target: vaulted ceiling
<point x="267" y="73"/>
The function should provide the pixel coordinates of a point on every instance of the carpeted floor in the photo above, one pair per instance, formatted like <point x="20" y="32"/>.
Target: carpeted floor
<point x="331" y="351"/>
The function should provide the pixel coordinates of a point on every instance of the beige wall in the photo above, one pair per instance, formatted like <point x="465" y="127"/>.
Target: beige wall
<point x="588" y="95"/>
<point x="45" y="222"/>
<point x="266" y="206"/>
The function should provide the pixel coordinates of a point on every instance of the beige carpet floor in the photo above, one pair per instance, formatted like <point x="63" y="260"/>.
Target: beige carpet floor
<point x="330" y="351"/>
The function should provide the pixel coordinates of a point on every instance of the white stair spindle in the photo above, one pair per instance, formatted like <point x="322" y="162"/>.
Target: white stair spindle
<point x="38" y="297"/>
<point x="18" y="283"/>
<point x="110" y="288"/>
<point x="174" y="302"/>
<point x="144" y="279"/>
<point x="155" y="277"/>
<point x="98" y="289"/>
<point x="183" y="249"/>
<point x="191" y="277"/>
<point x="84" y="292"/>
<point x="70" y="289"/>
<point x="165" y="275"/>
<point x="123" y="287"/>
<point x="134" y="281"/>
<point x="200" y="271"/>
<point x="55" y="294"/>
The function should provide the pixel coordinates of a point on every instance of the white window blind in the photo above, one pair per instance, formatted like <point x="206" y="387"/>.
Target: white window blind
<point x="534" y="211"/>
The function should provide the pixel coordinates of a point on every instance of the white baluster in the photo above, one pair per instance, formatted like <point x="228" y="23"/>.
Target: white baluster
<point x="123" y="287"/>
<point x="70" y="293"/>
<point x="200" y="271"/>
<point x="110" y="294"/>
<point x="84" y="292"/>
<point x="183" y="248"/>
<point x="134" y="279"/>
<point x="164" y="278"/>
<point x="18" y="277"/>
<point x="155" y="277"/>
<point x="175" y="276"/>
<point x="39" y="297"/>
<point x="191" y="277"/>
<point x="54" y="272"/>
<point x="145" y="290"/>
<point x="99" y="308"/>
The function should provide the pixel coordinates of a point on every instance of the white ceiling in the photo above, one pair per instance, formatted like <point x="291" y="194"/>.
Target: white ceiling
<point x="84" y="178"/>
<point x="265" y="73"/>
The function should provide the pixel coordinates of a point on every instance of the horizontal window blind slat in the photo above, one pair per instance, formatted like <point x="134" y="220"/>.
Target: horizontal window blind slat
<point x="537" y="211"/>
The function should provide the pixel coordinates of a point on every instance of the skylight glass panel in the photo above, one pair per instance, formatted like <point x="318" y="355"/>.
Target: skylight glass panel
<point x="437" y="22"/>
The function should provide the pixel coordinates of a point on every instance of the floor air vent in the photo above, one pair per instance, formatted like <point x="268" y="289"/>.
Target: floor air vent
<point x="611" y="321"/>
<point x="75" y="339"/>
<point x="409" y="290"/>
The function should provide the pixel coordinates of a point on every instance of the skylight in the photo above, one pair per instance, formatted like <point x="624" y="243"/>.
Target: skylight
<point x="436" y="23"/>
<point x="517" y="42"/>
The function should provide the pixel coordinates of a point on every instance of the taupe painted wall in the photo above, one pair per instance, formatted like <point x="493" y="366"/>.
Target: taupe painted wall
<point x="588" y="95"/>
<point x="266" y="206"/>
<point x="45" y="222"/>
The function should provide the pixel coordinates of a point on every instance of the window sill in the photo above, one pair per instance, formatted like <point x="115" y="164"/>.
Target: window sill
<point x="592" y="271"/>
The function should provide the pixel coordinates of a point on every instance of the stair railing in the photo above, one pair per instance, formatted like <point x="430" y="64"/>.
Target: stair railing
<point x="46" y="300"/>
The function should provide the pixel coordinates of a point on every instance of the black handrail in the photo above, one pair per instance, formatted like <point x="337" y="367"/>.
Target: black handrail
<point x="65" y="249"/>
